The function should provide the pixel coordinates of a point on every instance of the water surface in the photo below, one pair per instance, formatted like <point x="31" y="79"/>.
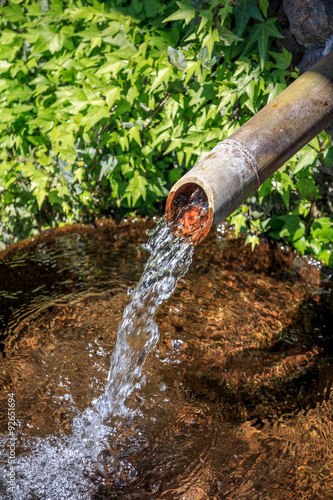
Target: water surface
<point x="234" y="402"/>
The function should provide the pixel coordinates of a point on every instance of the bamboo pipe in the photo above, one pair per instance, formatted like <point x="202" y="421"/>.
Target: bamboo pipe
<point x="237" y="166"/>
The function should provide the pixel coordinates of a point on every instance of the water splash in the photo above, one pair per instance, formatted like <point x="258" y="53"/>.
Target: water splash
<point x="60" y="467"/>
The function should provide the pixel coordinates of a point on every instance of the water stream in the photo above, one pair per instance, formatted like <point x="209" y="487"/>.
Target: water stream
<point x="169" y="260"/>
<point x="56" y="468"/>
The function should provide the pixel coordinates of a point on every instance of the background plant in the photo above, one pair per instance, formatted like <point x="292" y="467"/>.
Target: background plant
<point x="104" y="105"/>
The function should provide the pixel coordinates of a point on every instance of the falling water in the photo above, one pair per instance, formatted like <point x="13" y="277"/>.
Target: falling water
<point x="59" y="468"/>
<point x="170" y="258"/>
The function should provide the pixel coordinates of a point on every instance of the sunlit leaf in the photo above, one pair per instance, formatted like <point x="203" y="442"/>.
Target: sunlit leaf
<point x="162" y="76"/>
<point x="186" y="12"/>
<point x="177" y="58"/>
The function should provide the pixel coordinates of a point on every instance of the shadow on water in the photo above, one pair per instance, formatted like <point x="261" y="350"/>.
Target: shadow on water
<point x="236" y="400"/>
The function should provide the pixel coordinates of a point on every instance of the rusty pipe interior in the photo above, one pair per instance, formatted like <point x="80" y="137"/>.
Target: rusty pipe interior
<point x="219" y="183"/>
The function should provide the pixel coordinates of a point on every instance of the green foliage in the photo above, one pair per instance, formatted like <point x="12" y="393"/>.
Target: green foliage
<point x="105" y="105"/>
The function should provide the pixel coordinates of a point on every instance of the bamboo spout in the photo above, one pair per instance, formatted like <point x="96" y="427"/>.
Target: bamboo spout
<point x="237" y="167"/>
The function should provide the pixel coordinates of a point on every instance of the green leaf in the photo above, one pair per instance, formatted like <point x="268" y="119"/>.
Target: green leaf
<point x="40" y="197"/>
<point x="210" y="40"/>
<point x="65" y="171"/>
<point x="322" y="229"/>
<point x="293" y="228"/>
<point x="174" y="175"/>
<point x="177" y="58"/>
<point x="13" y="13"/>
<point x="239" y="221"/>
<point x="56" y="44"/>
<point x="112" y="95"/>
<point x="206" y="16"/>
<point x="307" y="188"/>
<point x="54" y="198"/>
<point x="186" y="12"/>
<point x="112" y="67"/>
<point x="282" y="61"/>
<point x="301" y="244"/>
<point x="136" y="188"/>
<point x="81" y="81"/>
<point x="162" y="76"/>
<point x="94" y="115"/>
<point x="274" y="90"/>
<point x="264" y="4"/>
<point x="151" y="7"/>
<point x="225" y="10"/>
<point x="108" y="164"/>
<point x="265" y="189"/>
<point x="253" y="239"/>
<point x="134" y="133"/>
<point x="285" y="185"/>
<point x="305" y="157"/>
<point x="326" y="256"/>
<point x="314" y="246"/>
<point x="4" y="66"/>
<point x="204" y="58"/>
<point x="191" y="68"/>
<point x="228" y="37"/>
<point x="243" y="11"/>
<point x="78" y="174"/>
<point x="260" y="33"/>
<point x="85" y="197"/>
<point x="328" y="156"/>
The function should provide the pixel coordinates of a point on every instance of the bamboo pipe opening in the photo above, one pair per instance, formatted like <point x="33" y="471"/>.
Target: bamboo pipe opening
<point x="189" y="213"/>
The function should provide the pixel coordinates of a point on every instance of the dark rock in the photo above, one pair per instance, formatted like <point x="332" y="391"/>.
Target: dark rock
<point x="275" y="9"/>
<point x="310" y="58"/>
<point x="329" y="130"/>
<point x="311" y="21"/>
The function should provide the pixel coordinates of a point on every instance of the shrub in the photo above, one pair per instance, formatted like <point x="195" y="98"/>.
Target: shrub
<point x="105" y="105"/>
